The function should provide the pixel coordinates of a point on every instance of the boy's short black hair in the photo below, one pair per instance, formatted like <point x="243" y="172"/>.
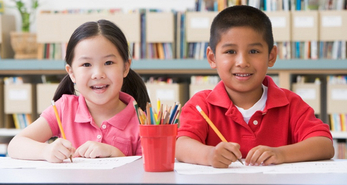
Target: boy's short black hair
<point x="238" y="16"/>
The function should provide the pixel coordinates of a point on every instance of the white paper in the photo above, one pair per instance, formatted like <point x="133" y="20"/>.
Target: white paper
<point x="78" y="163"/>
<point x="164" y="94"/>
<point x="339" y="94"/>
<point x="287" y="168"/>
<point x="303" y="22"/>
<point x="190" y="169"/>
<point x="331" y="21"/>
<point x="310" y="167"/>
<point x="306" y="94"/>
<point x="200" y="22"/>
<point x="278" y="22"/>
<point x="18" y="94"/>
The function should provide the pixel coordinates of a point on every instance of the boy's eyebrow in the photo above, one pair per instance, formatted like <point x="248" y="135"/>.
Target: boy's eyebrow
<point x="253" y="44"/>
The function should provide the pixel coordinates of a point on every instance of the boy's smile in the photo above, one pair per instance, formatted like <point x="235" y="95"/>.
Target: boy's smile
<point x="242" y="59"/>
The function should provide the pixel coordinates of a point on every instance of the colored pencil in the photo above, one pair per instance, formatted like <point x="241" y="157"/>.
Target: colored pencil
<point x="59" y="123"/>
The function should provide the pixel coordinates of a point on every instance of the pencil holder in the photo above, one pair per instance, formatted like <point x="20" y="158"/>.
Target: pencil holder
<point x="158" y="147"/>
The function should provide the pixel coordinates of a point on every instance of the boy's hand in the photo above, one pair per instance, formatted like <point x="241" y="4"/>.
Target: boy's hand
<point x="264" y="155"/>
<point x="222" y="155"/>
<point x="59" y="150"/>
<point x="93" y="149"/>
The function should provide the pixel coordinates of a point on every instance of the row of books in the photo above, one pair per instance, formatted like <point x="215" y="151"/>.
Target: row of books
<point x="340" y="146"/>
<point x="338" y="122"/>
<point x="204" y="80"/>
<point x="276" y="5"/>
<point x="339" y="79"/>
<point x="182" y="47"/>
<point x="312" y="50"/>
<point x="52" y="51"/>
<point x="21" y="120"/>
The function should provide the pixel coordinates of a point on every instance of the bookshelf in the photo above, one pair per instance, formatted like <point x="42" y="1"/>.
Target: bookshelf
<point x="284" y="69"/>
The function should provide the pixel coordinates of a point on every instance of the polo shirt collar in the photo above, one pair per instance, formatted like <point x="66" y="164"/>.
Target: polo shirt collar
<point x="276" y="96"/>
<point x="119" y="120"/>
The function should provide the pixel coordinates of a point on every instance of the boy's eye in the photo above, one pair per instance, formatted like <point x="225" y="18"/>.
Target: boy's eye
<point x="108" y="63"/>
<point x="86" y="64"/>
<point x="231" y="51"/>
<point x="253" y="51"/>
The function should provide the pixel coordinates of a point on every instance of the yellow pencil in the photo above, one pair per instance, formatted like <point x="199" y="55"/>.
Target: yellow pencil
<point x="59" y="123"/>
<point x="213" y="127"/>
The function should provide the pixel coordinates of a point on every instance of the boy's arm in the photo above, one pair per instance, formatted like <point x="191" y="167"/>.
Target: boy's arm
<point x="192" y="151"/>
<point x="314" y="148"/>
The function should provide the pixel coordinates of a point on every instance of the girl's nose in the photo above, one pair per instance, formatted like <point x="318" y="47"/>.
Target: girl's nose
<point x="98" y="73"/>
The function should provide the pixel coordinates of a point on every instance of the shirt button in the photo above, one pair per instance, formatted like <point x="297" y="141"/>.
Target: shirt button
<point x="255" y="122"/>
<point x="98" y="136"/>
<point x="103" y="126"/>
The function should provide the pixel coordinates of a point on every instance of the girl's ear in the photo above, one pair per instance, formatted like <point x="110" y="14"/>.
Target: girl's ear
<point x="211" y="57"/>
<point x="68" y="69"/>
<point x="272" y="56"/>
<point x="127" y="65"/>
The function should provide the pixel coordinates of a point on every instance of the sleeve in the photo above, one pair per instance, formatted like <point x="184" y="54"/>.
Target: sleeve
<point x="305" y="121"/>
<point x="192" y="124"/>
<point x="49" y="115"/>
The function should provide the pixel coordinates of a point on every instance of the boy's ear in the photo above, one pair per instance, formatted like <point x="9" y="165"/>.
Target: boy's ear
<point x="272" y="56"/>
<point x="68" y="69"/>
<point x="211" y="57"/>
<point x="127" y="65"/>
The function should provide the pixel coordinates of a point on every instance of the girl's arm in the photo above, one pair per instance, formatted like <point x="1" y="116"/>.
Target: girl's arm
<point x="31" y="144"/>
<point x="314" y="148"/>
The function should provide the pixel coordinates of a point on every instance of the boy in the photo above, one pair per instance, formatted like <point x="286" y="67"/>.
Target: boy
<point x="261" y="122"/>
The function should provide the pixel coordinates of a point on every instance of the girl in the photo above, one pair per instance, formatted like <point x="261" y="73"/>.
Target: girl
<point x="101" y="121"/>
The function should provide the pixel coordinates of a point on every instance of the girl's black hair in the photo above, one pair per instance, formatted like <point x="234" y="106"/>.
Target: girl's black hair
<point x="132" y="83"/>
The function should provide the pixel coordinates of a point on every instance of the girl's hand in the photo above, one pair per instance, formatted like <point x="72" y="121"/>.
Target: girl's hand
<point x="59" y="150"/>
<point x="93" y="149"/>
<point x="264" y="155"/>
<point x="222" y="155"/>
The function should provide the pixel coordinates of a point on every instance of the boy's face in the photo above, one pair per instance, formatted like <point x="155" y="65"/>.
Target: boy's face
<point x="241" y="60"/>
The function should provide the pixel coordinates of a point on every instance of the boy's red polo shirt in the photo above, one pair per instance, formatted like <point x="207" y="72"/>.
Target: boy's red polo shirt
<point x="286" y="119"/>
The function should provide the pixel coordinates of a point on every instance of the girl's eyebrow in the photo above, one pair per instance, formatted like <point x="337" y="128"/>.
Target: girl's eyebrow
<point x="110" y="55"/>
<point x="88" y="58"/>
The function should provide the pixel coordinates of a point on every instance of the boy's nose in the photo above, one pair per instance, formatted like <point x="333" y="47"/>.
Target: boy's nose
<point x="242" y="61"/>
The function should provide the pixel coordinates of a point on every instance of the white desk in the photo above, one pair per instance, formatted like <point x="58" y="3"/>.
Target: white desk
<point x="133" y="173"/>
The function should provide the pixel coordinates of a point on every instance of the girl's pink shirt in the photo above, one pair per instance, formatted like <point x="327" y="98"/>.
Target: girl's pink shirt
<point x="120" y="131"/>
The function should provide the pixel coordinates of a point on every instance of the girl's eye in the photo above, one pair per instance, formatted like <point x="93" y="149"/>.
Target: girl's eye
<point x="253" y="51"/>
<point x="86" y="64"/>
<point x="108" y="63"/>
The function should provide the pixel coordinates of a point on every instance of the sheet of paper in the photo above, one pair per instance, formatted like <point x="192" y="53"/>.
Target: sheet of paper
<point x="190" y="169"/>
<point x="78" y="163"/>
<point x="331" y="166"/>
<point x="311" y="167"/>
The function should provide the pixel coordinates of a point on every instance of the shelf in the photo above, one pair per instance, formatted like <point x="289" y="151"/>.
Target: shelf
<point x="8" y="132"/>
<point x="180" y="66"/>
<point x="339" y="135"/>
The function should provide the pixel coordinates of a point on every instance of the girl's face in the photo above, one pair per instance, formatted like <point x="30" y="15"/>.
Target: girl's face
<point x="98" y="71"/>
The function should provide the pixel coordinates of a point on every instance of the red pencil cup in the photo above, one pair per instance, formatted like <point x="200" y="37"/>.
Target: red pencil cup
<point x="158" y="147"/>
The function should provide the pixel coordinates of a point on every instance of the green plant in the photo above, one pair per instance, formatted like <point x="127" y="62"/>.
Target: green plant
<point x="26" y="12"/>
